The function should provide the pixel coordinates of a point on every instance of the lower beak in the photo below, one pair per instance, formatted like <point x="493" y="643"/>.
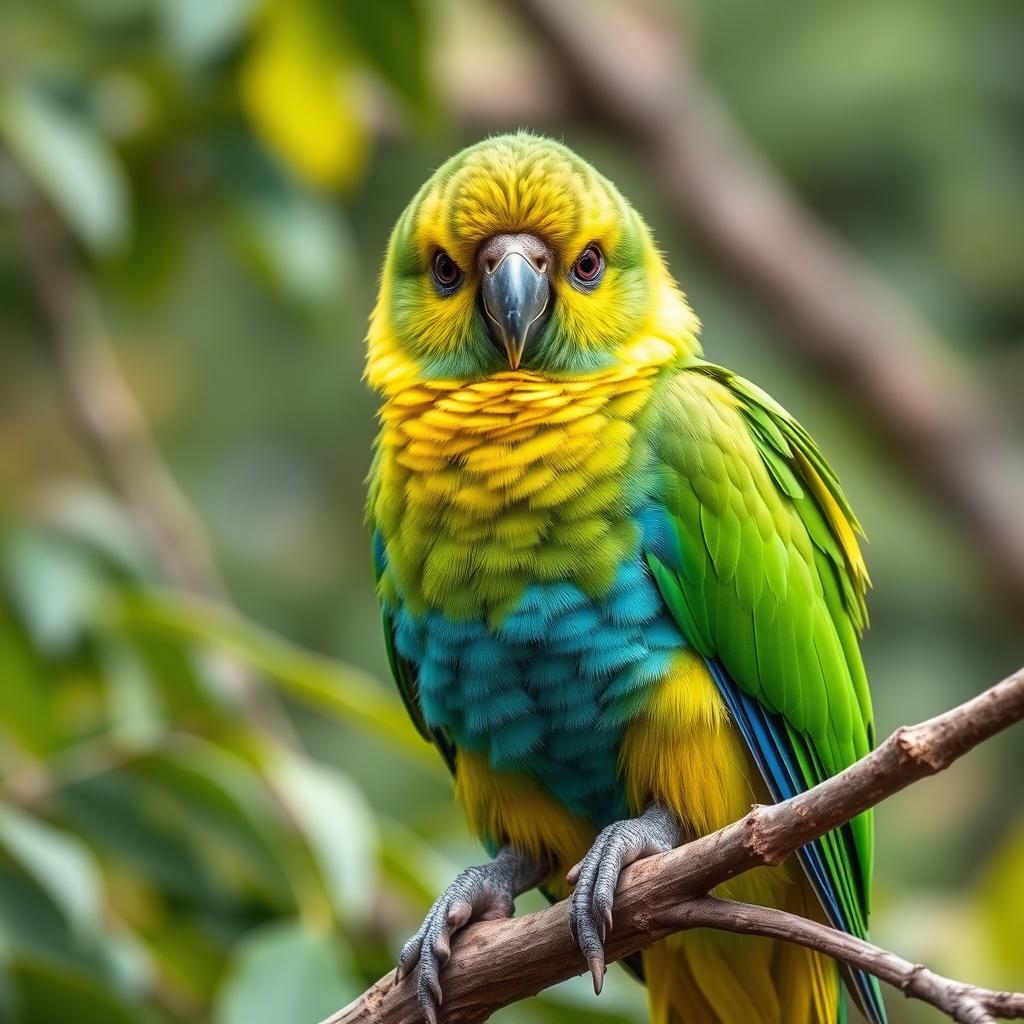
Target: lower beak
<point x="515" y="299"/>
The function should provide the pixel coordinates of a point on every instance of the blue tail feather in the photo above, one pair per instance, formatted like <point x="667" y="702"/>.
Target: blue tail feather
<point x="768" y="742"/>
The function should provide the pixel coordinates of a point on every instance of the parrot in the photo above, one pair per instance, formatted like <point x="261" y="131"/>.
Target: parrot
<point x="622" y="590"/>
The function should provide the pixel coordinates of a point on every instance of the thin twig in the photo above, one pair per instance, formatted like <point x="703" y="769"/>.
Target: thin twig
<point x="114" y="430"/>
<point x="966" y="1004"/>
<point x="105" y="411"/>
<point x="833" y="311"/>
<point x="494" y="964"/>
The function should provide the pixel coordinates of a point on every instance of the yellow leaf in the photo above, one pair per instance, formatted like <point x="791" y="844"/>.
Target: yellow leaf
<point x="299" y="89"/>
<point x="1002" y="905"/>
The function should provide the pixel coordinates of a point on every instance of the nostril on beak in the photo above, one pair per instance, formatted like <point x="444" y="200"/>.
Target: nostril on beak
<point x="533" y="250"/>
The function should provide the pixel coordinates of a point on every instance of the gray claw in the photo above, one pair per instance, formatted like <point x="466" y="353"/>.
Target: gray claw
<point x="486" y="891"/>
<point x="596" y="876"/>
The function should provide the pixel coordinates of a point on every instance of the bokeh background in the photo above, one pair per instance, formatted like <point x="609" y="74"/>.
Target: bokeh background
<point x="211" y="807"/>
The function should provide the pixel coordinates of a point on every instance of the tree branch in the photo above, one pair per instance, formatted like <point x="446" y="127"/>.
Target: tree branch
<point x="497" y="963"/>
<point x="964" y="1003"/>
<point x="102" y="406"/>
<point x="115" y="433"/>
<point x="833" y="311"/>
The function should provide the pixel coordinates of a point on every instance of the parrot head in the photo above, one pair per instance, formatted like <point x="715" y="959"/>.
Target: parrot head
<point x="517" y="255"/>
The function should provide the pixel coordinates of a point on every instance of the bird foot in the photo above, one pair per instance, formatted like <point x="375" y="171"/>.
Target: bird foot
<point x="595" y="877"/>
<point x="482" y="893"/>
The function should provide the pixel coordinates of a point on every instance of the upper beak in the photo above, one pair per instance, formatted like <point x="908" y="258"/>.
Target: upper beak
<point x="515" y="291"/>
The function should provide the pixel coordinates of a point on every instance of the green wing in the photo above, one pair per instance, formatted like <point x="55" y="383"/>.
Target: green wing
<point x="762" y="570"/>
<point x="403" y="671"/>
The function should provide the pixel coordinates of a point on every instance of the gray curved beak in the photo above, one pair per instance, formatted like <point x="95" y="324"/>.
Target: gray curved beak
<point x="515" y="291"/>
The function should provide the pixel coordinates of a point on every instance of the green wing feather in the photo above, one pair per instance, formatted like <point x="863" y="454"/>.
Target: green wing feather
<point x="764" y="574"/>
<point x="403" y="672"/>
<point x="405" y="678"/>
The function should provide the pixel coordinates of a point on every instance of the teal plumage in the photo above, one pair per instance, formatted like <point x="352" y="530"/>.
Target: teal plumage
<point x="553" y="688"/>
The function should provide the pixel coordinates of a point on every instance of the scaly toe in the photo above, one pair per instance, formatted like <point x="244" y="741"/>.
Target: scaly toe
<point x="596" y="876"/>
<point x="483" y="892"/>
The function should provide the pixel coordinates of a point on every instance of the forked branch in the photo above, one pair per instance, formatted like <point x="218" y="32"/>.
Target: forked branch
<point x="494" y="964"/>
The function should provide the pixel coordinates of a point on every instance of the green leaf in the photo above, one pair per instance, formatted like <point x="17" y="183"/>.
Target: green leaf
<point x="182" y="680"/>
<point x="281" y="973"/>
<point x="129" y="822"/>
<point x="340" y="689"/>
<point x="70" y="163"/>
<point x="199" y="30"/>
<point x="338" y="826"/>
<point x="53" y="585"/>
<point x="50" y="993"/>
<point x="410" y="863"/>
<point x="216" y="800"/>
<point x="136" y="711"/>
<point x="392" y="38"/>
<point x="27" y="713"/>
<point x="8" y="993"/>
<point x="94" y="520"/>
<point x="31" y="921"/>
<point x="59" y="863"/>
<point x="125" y="960"/>
<point x="189" y="955"/>
<point x="298" y="240"/>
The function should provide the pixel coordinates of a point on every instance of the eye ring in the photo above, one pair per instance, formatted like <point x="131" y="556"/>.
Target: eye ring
<point x="588" y="269"/>
<point x="447" y="274"/>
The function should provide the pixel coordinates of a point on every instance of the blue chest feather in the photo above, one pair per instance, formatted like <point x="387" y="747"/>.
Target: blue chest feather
<point x="552" y="689"/>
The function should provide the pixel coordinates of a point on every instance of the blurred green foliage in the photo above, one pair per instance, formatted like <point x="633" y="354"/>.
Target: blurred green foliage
<point x="203" y="820"/>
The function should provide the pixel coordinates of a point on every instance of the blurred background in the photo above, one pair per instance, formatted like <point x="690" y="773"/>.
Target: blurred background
<point x="211" y="806"/>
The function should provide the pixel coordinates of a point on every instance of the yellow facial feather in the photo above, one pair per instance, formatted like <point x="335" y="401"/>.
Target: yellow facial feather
<point x="521" y="183"/>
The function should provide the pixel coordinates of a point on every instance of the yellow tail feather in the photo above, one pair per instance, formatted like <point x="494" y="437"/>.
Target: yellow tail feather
<point x="704" y="977"/>
<point x="685" y="752"/>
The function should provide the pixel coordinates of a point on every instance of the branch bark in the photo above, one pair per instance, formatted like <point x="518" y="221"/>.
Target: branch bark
<point x="494" y="964"/>
<point x="833" y="311"/>
<point x="966" y="1004"/>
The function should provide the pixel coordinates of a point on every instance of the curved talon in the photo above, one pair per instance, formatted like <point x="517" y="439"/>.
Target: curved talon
<point x="478" y="893"/>
<point x="596" y="876"/>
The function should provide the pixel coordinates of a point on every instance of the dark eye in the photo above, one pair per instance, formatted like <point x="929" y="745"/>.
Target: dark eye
<point x="588" y="267"/>
<point x="445" y="270"/>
